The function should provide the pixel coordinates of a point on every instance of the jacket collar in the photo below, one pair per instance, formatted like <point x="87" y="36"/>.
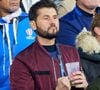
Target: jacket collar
<point x="87" y="42"/>
<point x="9" y="17"/>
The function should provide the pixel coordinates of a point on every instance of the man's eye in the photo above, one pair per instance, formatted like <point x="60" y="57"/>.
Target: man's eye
<point x="46" y="18"/>
<point x="55" y="17"/>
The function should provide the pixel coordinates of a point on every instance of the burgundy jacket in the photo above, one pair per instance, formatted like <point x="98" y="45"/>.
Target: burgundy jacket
<point x="35" y="69"/>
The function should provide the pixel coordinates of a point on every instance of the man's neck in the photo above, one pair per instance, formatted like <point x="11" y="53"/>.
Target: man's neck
<point x="46" y="42"/>
<point x="86" y="9"/>
<point x="3" y="14"/>
<point x="51" y="48"/>
<point x="12" y="15"/>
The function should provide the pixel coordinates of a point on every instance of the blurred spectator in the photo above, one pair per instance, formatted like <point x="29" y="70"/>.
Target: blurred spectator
<point x="15" y="35"/>
<point x="88" y="43"/>
<point x="73" y="22"/>
<point x="26" y="4"/>
<point x="65" y="6"/>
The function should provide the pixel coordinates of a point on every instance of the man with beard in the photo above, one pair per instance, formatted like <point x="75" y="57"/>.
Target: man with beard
<point x="43" y="65"/>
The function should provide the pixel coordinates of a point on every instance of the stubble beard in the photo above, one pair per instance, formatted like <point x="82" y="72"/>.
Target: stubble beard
<point x="46" y="34"/>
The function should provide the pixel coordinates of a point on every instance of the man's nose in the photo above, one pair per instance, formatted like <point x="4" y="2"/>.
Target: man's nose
<point x="52" y="21"/>
<point x="52" y="24"/>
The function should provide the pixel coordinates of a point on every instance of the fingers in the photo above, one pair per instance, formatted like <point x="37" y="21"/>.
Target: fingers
<point x="63" y="84"/>
<point x="78" y="80"/>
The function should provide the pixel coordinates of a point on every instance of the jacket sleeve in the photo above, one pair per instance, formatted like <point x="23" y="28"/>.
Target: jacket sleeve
<point x="20" y="76"/>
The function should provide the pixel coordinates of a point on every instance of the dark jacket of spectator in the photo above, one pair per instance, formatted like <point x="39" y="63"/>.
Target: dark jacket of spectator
<point x="89" y="50"/>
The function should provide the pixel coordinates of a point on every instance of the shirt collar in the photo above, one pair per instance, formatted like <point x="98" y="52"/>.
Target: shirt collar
<point x="81" y="12"/>
<point x="9" y="17"/>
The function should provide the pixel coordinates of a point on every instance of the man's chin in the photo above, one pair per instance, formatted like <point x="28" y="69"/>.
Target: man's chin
<point x="53" y="30"/>
<point x="13" y="9"/>
<point x="51" y="36"/>
<point x="48" y="36"/>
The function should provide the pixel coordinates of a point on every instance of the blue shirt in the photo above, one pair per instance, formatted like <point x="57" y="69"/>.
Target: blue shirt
<point x="72" y="24"/>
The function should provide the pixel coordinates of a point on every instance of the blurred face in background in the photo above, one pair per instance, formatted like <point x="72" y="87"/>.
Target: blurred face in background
<point x="89" y="4"/>
<point x="9" y="6"/>
<point x="97" y="33"/>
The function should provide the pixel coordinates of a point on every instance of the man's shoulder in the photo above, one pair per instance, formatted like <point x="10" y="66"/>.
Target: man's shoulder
<point x="70" y="52"/>
<point x="26" y="52"/>
<point x="23" y="16"/>
<point x="68" y="47"/>
<point x="69" y="16"/>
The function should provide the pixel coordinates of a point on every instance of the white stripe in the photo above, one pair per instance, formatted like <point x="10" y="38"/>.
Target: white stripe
<point x="15" y="23"/>
<point x="4" y="59"/>
<point x="8" y="41"/>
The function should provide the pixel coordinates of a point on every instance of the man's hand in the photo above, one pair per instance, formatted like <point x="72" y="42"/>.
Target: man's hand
<point x="78" y="80"/>
<point x="63" y="83"/>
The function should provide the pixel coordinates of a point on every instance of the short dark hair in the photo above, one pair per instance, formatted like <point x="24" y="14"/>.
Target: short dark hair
<point x="41" y="4"/>
<point x="95" y="23"/>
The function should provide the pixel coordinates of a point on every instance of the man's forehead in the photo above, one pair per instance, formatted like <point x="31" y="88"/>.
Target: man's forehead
<point x="47" y="11"/>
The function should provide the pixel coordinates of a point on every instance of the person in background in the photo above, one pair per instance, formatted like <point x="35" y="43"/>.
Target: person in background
<point x="65" y="6"/>
<point x="15" y="35"/>
<point x="26" y="4"/>
<point x="73" y="22"/>
<point x="88" y="44"/>
<point x="44" y="65"/>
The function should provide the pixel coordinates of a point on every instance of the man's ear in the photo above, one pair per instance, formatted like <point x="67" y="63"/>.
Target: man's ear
<point x="97" y="30"/>
<point x="33" y="25"/>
